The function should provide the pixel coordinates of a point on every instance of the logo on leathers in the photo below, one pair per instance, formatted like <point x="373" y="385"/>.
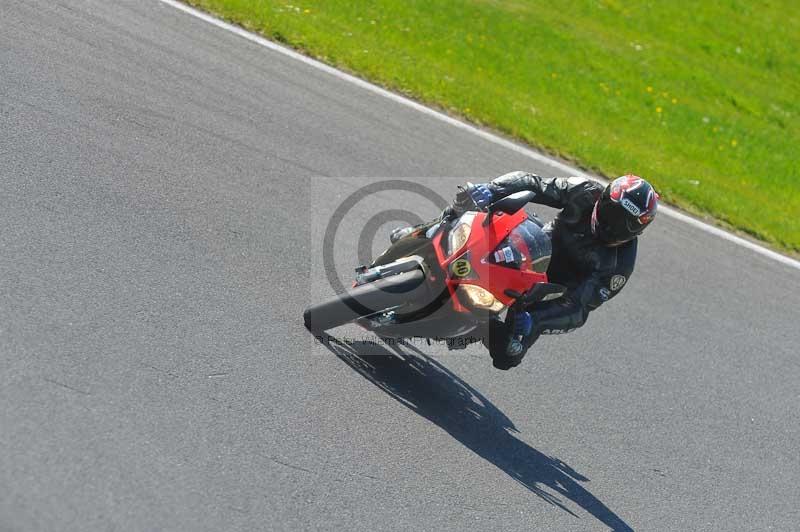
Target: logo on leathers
<point x="616" y="282"/>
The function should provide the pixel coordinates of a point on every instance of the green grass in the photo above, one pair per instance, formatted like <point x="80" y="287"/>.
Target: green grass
<point x="700" y="97"/>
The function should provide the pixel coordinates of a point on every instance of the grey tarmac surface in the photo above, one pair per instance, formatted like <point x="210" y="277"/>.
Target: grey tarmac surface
<point x="164" y="186"/>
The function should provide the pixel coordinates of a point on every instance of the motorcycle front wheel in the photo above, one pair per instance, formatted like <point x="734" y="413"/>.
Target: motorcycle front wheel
<point x="367" y="299"/>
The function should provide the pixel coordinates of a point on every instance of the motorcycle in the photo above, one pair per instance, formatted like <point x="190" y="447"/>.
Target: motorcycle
<point x="443" y="281"/>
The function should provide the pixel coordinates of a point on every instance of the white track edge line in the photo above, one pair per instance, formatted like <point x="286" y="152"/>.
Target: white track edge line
<point x="491" y="137"/>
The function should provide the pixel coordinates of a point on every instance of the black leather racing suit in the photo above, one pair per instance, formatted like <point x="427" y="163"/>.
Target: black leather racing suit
<point x="593" y="272"/>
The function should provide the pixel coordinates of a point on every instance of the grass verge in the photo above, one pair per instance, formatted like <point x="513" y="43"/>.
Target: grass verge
<point x="699" y="97"/>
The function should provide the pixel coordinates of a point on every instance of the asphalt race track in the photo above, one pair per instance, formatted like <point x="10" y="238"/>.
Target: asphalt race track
<point x="164" y="187"/>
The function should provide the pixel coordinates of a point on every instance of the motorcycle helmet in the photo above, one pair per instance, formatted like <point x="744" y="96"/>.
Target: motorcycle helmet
<point x="627" y="205"/>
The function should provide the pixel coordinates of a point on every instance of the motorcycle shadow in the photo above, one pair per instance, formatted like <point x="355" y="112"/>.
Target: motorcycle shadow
<point x="431" y="390"/>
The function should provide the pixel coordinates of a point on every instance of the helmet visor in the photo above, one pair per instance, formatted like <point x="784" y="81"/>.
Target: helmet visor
<point x="613" y="224"/>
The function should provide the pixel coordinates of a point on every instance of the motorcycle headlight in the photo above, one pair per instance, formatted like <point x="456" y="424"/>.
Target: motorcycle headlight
<point x="460" y="234"/>
<point x="476" y="297"/>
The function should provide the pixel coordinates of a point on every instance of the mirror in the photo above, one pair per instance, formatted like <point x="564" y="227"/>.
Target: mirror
<point x="513" y="202"/>
<point x="540" y="292"/>
<point x="509" y="205"/>
<point x="545" y="292"/>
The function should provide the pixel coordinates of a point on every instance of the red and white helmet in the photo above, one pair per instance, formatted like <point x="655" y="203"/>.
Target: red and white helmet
<point x="627" y="205"/>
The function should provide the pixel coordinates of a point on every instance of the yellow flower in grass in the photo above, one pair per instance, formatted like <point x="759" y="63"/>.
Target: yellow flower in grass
<point x="649" y="88"/>
<point x="734" y="143"/>
<point x="658" y="109"/>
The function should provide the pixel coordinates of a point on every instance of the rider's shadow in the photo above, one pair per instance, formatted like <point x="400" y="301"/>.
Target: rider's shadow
<point x="432" y="391"/>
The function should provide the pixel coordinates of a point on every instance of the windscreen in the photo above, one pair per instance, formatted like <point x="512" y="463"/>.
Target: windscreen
<point x="526" y="248"/>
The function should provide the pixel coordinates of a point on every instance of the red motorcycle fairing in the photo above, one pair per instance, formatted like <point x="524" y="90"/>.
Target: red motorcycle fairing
<point x="470" y="264"/>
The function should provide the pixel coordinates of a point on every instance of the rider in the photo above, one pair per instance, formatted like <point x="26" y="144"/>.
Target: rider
<point x="594" y="250"/>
